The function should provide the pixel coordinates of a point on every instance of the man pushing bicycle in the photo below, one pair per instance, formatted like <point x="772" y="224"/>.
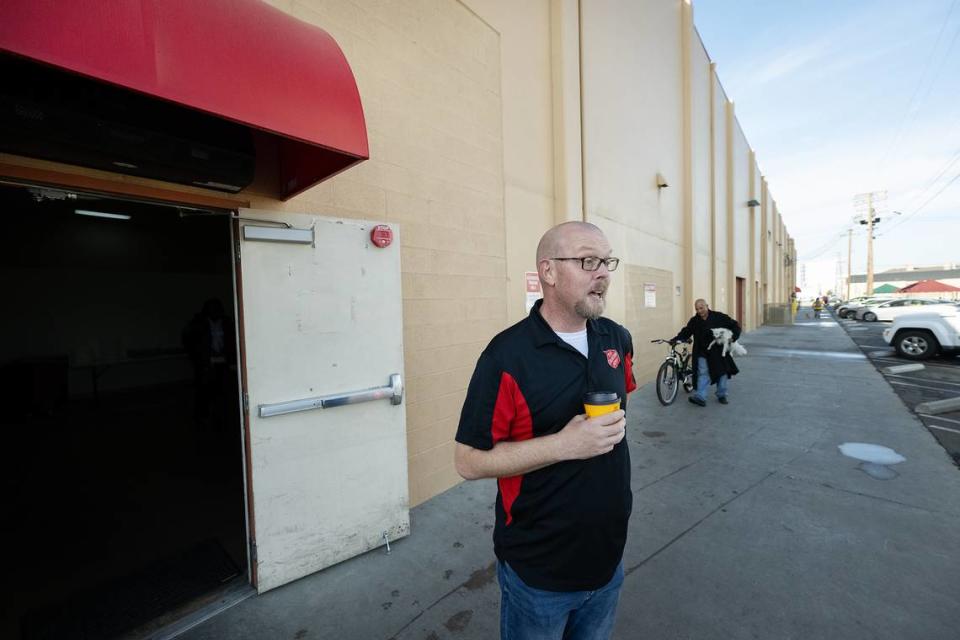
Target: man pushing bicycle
<point x="713" y="362"/>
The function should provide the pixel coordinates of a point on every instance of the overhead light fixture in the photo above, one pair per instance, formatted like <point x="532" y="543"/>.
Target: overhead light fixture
<point x="101" y="214"/>
<point x="752" y="203"/>
<point x="661" y="182"/>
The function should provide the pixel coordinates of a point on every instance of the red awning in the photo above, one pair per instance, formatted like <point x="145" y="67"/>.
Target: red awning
<point x="929" y="286"/>
<point x="238" y="59"/>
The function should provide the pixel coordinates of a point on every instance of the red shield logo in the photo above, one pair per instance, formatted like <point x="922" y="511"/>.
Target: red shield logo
<point x="613" y="358"/>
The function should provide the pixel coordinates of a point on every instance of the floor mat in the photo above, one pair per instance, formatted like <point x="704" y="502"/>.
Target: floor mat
<point x="127" y="603"/>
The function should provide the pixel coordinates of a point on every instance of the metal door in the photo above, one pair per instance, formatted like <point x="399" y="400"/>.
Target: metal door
<point x="323" y="353"/>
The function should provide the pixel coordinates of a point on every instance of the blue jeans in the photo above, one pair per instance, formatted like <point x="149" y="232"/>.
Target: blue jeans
<point x="533" y="614"/>
<point x="703" y="381"/>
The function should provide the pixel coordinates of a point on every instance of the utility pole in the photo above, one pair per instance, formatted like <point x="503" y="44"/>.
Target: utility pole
<point x="864" y="203"/>
<point x="849" y="258"/>
<point x="838" y="275"/>
<point x="870" y="212"/>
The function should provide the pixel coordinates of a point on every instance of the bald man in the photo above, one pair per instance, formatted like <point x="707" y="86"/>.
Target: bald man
<point x="711" y="366"/>
<point x="563" y="499"/>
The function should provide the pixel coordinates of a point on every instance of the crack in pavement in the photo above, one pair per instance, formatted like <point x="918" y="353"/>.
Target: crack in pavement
<point x="827" y="485"/>
<point x="720" y="506"/>
<point x="673" y="473"/>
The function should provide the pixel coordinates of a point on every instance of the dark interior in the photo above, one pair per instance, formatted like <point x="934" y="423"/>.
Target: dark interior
<point x="123" y="473"/>
<point x="60" y="116"/>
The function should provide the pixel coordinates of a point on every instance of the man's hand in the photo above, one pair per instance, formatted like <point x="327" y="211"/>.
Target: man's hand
<point x="584" y="437"/>
<point x="581" y="438"/>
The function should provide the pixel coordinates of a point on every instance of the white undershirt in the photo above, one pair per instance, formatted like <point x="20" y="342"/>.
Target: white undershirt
<point x="576" y="340"/>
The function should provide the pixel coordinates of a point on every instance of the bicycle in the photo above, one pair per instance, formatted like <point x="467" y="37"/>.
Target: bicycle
<point x="676" y="371"/>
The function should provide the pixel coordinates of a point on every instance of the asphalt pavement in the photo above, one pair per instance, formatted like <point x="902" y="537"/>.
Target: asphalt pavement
<point x="748" y="522"/>
<point x="938" y="380"/>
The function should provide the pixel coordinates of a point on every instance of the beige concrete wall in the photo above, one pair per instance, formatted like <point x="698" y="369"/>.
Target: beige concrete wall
<point x="766" y="282"/>
<point x="702" y="185"/>
<point x="756" y="235"/>
<point x="741" y="212"/>
<point x="644" y="321"/>
<point x="527" y="101"/>
<point x="778" y="238"/>
<point x="739" y="230"/>
<point x="631" y="130"/>
<point x="720" y="296"/>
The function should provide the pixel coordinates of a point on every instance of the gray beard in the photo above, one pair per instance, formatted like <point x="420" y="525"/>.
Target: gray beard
<point x="586" y="311"/>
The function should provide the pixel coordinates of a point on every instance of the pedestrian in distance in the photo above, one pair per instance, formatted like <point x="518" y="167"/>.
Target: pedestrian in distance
<point x="713" y="364"/>
<point x="563" y="478"/>
<point x="817" y="307"/>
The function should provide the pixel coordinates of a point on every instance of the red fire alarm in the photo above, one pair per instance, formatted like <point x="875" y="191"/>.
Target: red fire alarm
<point x="381" y="235"/>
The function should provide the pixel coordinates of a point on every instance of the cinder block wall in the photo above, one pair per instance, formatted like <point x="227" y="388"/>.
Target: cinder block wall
<point x="648" y="323"/>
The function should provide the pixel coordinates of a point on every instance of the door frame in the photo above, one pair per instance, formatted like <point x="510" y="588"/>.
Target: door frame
<point x="17" y="175"/>
<point x="244" y="398"/>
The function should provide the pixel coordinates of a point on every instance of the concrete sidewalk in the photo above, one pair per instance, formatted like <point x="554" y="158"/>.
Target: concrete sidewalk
<point x="747" y="523"/>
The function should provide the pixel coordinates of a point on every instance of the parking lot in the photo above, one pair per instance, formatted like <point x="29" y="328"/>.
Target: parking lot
<point x="939" y="379"/>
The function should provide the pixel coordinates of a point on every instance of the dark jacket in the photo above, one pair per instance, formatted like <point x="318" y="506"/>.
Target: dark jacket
<point x="700" y="330"/>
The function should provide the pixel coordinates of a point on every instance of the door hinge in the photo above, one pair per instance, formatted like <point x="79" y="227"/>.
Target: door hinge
<point x="253" y="553"/>
<point x="236" y="251"/>
<point x="246" y="402"/>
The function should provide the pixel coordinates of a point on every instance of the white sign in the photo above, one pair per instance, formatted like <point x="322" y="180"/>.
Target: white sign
<point x="649" y="295"/>
<point x="534" y="292"/>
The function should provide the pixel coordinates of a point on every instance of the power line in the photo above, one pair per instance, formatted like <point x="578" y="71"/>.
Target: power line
<point x="822" y="249"/>
<point x="921" y="207"/>
<point x="911" y="112"/>
<point x="946" y="167"/>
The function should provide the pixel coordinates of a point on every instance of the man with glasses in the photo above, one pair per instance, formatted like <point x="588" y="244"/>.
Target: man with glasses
<point x="564" y="498"/>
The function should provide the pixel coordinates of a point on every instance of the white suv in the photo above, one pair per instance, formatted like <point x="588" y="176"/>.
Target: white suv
<point x="892" y="309"/>
<point x="919" y="336"/>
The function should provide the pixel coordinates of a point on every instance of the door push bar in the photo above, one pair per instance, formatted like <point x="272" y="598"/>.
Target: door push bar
<point x="393" y="391"/>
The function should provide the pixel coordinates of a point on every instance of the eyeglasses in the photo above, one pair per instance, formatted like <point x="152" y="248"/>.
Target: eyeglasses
<point x="592" y="263"/>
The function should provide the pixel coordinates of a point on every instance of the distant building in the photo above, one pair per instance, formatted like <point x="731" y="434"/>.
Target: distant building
<point x="900" y="277"/>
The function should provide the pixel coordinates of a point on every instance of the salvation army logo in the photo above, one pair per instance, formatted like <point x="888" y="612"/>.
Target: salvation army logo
<point x="613" y="358"/>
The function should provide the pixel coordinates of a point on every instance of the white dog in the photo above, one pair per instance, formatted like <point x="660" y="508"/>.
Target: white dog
<point x="724" y="337"/>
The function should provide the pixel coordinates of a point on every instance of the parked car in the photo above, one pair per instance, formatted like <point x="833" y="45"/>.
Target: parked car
<point x="919" y="336"/>
<point x="887" y="311"/>
<point x="848" y="309"/>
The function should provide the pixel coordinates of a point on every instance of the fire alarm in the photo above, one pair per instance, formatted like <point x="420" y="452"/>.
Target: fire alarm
<point x="381" y="235"/>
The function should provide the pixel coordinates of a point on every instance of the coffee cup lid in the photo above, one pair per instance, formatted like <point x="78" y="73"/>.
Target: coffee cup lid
<point x="601" y="397"/>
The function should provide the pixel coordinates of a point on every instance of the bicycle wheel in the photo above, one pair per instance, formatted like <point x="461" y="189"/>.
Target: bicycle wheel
<point x="667" y="383"/>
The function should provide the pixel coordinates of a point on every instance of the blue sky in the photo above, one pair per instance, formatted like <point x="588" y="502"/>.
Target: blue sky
<point x="843" y="97"/>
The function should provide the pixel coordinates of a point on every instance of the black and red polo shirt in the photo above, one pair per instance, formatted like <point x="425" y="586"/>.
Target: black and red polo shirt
<point x="563" y="527"/>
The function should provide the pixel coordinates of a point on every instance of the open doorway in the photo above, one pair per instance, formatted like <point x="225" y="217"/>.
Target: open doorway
<point x="122" y="422"/>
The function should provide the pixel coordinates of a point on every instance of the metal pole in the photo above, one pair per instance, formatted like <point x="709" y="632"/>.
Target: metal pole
<point x="849" y="258"/>
<point x="869" y="244"/>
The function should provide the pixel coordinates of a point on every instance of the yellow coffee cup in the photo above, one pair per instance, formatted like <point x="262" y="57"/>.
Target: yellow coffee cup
<point x="597" y="403"/>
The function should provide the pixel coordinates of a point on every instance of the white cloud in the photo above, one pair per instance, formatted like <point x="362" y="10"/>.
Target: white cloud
<point x="785" y="64"/>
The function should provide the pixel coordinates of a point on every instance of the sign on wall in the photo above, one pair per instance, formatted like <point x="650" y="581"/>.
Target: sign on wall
<point x="534" y="292"/>
<point x="649" y="295"/>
